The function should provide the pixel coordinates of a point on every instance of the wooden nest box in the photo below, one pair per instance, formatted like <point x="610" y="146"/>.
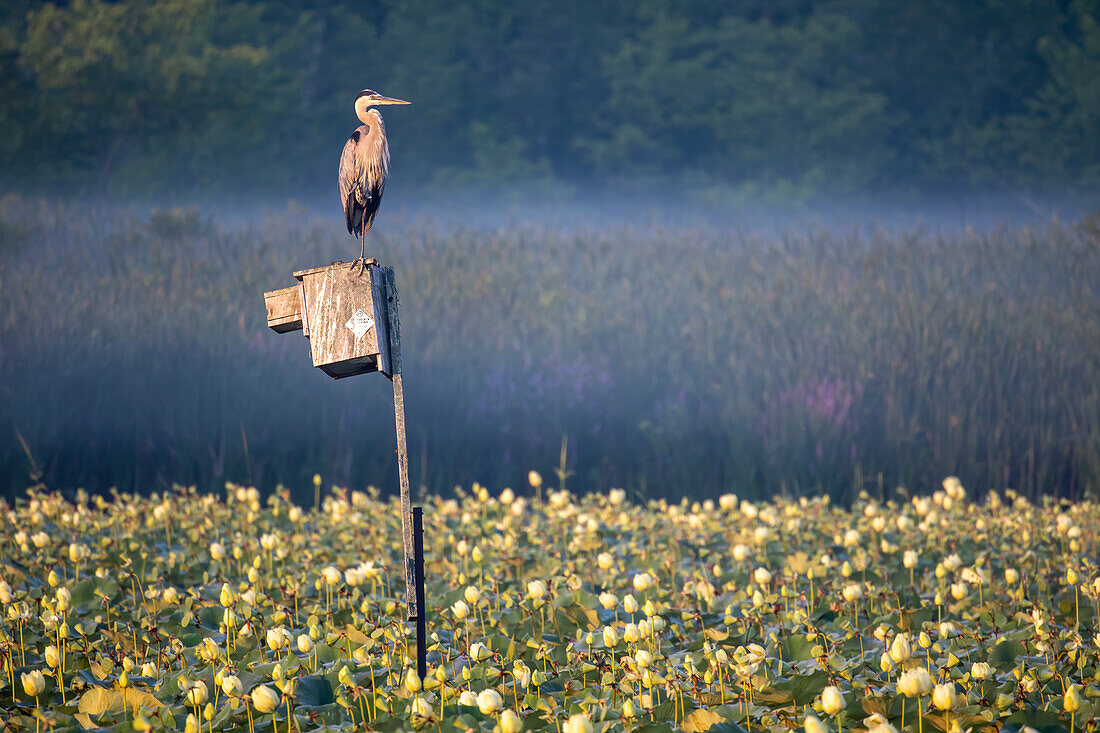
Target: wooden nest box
<point x="347" y="313"/>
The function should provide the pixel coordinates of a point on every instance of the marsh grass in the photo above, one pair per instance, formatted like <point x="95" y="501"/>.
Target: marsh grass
<point x="133" y="352"/>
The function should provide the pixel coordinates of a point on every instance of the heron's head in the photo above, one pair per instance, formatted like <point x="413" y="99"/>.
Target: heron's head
<point x="370" y="98"/>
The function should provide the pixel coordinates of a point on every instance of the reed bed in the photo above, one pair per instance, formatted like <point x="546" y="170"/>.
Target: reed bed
<point x="134" y="353"/>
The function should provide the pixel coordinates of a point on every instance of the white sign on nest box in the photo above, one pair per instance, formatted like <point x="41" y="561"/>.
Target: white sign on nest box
<point x="359" y="323"/>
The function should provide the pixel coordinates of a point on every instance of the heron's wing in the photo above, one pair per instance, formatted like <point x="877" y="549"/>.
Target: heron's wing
<point x="349" y="180"/>
<point x="370" y="165"/>
<point x="372" y="201"/>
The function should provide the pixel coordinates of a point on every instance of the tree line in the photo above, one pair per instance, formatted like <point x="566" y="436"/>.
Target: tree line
<point x="789" y="98"/>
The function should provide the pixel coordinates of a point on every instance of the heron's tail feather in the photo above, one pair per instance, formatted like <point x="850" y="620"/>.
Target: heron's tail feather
<point x="351" y="208"/>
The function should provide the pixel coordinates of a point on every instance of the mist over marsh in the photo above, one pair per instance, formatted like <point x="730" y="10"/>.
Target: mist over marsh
<point x="691" y="360"/>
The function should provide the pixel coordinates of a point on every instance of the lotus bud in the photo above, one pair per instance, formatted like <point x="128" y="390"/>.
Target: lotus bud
<point x="510" y="722"/>
<point x="578" y="723"/>
<point x="610" y="637"/>
<point x="1071" y="703"/>
<point x="943" y="697"/>
<point x="64" y="599"/>
<point x="832" y="700"/>
<point x="34" y="682"/>
<point x="231" y="685"/>
<point x="489" y="702"/>
<point x="264" y="699"/>
<point x="197" y="694"/>
<point x="900" y="649"/>
<point x="813" y="724"/>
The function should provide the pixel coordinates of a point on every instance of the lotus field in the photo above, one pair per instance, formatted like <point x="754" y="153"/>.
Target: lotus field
<point x="549" y="611"/>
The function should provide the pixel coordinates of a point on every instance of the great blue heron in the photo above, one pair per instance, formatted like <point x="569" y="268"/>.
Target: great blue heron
<point x="364" y="165"/>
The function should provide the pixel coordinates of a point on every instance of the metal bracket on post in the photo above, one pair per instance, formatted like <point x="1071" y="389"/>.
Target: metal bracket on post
<point x="421" y="620"/>
<point x="393" y="326"/>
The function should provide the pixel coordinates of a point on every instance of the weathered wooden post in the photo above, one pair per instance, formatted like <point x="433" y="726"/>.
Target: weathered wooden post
<point x="350" y="317"/>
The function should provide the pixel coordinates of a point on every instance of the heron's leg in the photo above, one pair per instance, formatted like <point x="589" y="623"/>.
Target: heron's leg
<point x="363" y="252"/>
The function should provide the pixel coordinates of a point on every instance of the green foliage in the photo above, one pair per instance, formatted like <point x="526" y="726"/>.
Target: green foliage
<point x="146" y="86"/>
<point x="715" y="100"/>
<point x="788" y="100"/>
<point x="1057" y="136"/>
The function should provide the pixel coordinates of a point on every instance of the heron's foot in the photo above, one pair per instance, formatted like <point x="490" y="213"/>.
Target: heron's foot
<point x="361" y="263"/>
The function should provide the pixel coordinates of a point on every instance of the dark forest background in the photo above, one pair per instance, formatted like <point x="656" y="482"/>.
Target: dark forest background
<point x="785" y="99"/>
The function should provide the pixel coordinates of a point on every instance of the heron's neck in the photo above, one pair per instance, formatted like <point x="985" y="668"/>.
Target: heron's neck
<point x="374" y="145"/>
<point x="367" y="115"/>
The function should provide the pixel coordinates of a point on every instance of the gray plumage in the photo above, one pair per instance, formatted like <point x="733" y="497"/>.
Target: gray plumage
<point x="364" y="166"/>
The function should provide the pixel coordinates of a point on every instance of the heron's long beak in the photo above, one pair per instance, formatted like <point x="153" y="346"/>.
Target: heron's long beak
<point x="388" y="100"/>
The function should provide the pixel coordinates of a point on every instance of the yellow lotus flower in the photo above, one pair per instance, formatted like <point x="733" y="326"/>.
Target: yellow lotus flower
<point x="832" y="700"/>
<point x="489" y="701"/>
<point x="197" y="694"/>
<point x="264" y="699"/>
<point x="943" y="697"/>
<point x="610" y="637"/>
<point x="900" y="650"/>
<point x="510" y="722"/>
<point x="34" y="682"/>
<point x="1071" y="703"/>
<point x="231" y="685"/>
<point x="578" y="723"/>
